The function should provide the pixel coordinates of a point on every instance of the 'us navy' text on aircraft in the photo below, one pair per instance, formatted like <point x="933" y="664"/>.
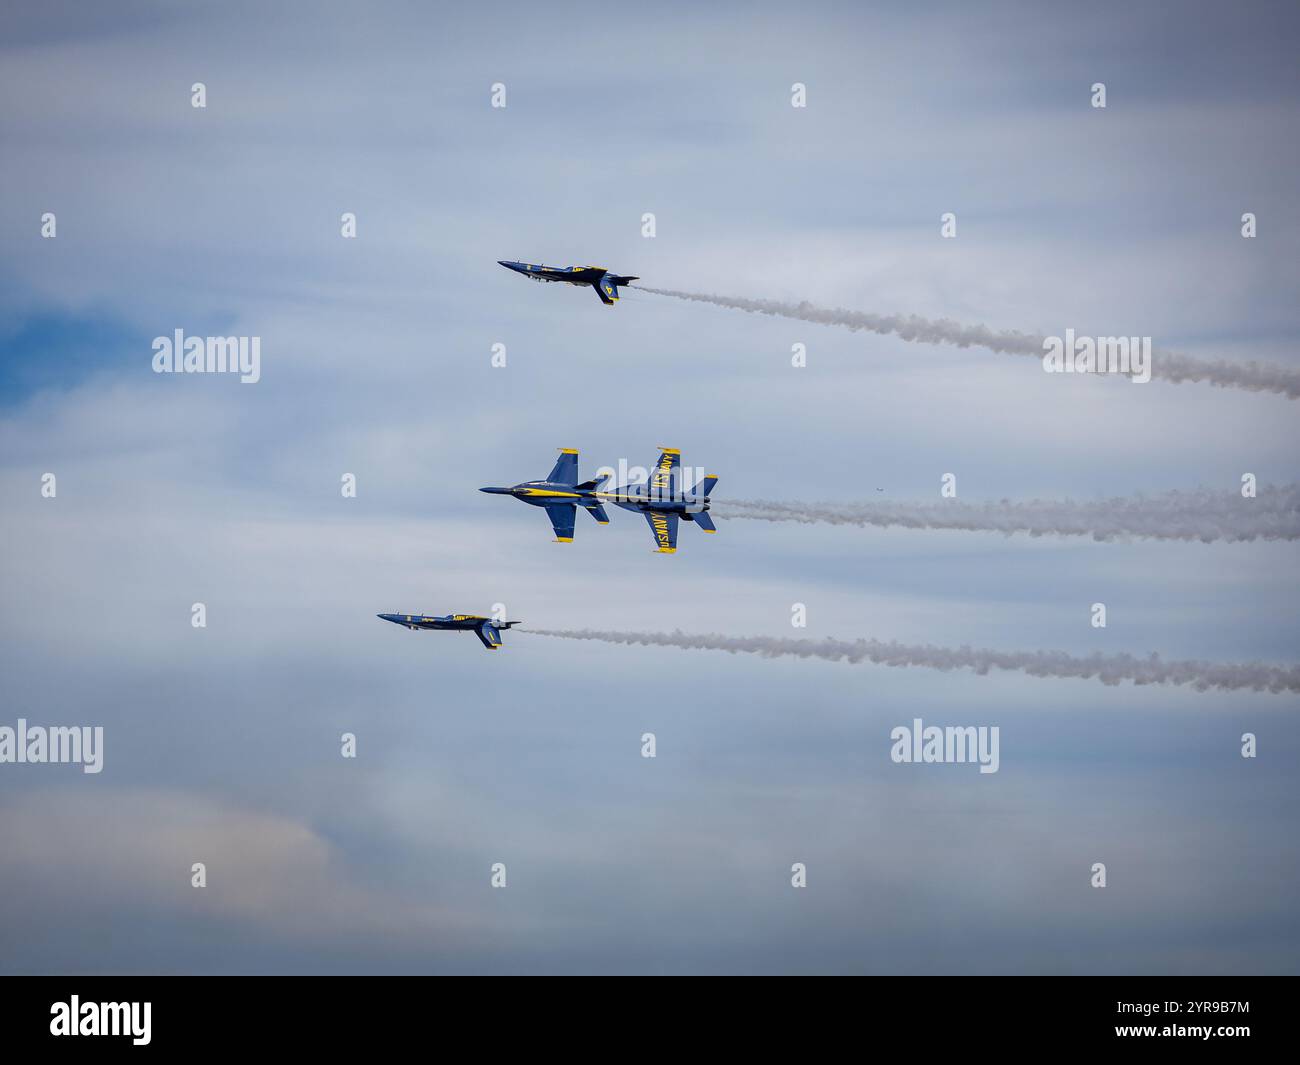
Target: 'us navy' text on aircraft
<point x="664" y="500"/>
<point x="486" y="629"/>
<point x="561" y="495"/>
<point x="605" y="283"/>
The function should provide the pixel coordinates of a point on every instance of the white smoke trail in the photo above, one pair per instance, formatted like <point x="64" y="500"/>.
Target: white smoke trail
<point x="1207" y="516"/>
<point x="1167" y="365"/>
<point x="1109" y="669"/>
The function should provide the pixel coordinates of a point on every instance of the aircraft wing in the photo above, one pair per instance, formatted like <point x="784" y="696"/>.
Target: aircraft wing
<point x="562" y="515"/>
<point x="487" y="632"/>
<point x="566" y="467"/>
<point x="665" y="478"/>
<point x="664" y="529"/>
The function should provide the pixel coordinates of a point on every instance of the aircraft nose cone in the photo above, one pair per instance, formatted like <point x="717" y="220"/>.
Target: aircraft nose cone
<point x="496" y="491"/>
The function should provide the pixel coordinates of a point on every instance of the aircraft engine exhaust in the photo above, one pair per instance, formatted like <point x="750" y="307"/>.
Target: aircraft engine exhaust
<point x="1109" y="669"/>
<point x="1203" y="515"/>
<point x="1166" y="365"/>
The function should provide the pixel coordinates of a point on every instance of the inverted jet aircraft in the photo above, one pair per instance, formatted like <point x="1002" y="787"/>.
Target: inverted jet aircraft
<point x="561" y="495"/>
<point x="486" y="629"/>
<point x="663" y="500"/>
<point x="605" y="283"/>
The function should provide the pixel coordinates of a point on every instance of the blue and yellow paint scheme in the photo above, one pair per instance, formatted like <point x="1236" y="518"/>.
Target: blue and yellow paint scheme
<point x="597" y="277"/>
<point x="560" y="495"/>
<point x="664" y="500"/>
<point x="486" y="629"/>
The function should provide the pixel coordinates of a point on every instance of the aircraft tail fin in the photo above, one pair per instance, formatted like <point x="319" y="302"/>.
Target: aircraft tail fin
<point x="706" y="486"/>
<point x="597" y="511"/>
<point x="594" y="483"/>
<point x="490" y="635"/>
<point x="607" y="287"/>
<point x="705" y="522"/>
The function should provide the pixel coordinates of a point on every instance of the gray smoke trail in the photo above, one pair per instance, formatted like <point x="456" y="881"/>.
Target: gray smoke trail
<point x="1167" y="365"/>
<point x="1109" y="669"/>
<point x="1202" y="515"/>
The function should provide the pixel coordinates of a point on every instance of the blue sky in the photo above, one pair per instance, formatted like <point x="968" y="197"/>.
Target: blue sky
<point x="222" y="744"/>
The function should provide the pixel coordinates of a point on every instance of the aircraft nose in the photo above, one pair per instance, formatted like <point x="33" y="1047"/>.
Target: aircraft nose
<point x="496" y="491"/>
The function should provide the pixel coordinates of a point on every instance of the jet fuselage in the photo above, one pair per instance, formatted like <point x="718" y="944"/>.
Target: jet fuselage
<point x="487" y="630"/>
<point x="597" y="277"/>
<point x="544" y="493"/>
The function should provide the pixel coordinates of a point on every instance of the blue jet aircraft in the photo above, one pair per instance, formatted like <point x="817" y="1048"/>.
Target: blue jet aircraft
<point x="605" y="283"/>
<point x="561" y="495"/>
<point x="486" y="629"/>
<point x="663" y="500"/>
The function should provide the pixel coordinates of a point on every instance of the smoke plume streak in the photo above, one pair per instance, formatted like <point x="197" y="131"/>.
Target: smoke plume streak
<point x="1109" y="669"/>
<point x="1166" y="365"/>
<point x="1204" y="515"/>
